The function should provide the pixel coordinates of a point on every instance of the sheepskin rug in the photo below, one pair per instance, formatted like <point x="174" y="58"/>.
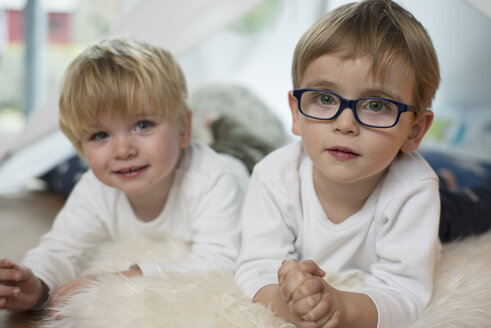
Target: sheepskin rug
<point x="462" y="295"/>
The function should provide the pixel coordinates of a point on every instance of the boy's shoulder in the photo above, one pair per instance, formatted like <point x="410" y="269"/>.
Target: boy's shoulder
<point x="410" y="168"/>
<point x="284" y="161"/>
<point x="200" y="161"/>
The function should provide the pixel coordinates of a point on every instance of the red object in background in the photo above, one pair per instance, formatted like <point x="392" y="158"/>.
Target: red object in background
<point x="59" y="27"/>
<point x="15" y="25"/>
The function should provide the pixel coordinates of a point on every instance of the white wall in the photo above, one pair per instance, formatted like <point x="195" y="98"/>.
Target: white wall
<point x="260" y="60"/>
<point x="462" y="39"/>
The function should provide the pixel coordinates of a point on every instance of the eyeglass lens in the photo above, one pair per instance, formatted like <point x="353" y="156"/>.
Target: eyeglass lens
<point x="371" y="111"/>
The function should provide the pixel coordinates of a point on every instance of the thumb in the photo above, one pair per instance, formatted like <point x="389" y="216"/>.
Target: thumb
<point x="286" y="266"/>
<point x="313" y="268"/>
<point x="26" y="272"/>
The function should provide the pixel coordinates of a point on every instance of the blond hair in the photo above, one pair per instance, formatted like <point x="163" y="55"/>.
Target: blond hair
<point x="120" y="77"/>
<point x="381" y="30"/>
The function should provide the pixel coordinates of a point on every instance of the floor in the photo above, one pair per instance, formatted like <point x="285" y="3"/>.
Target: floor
<point x="24" y="218"/>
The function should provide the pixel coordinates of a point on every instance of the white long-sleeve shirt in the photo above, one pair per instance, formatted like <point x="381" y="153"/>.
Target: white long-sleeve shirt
<point x="203" y="208"/>
<point x="392" y="241"/>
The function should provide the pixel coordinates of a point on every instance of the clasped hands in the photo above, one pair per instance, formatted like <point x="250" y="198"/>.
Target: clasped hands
<point x="309" y="297"/>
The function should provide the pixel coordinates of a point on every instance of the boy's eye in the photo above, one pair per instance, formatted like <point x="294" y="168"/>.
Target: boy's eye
<point x="326" y="99"/>
<point x="143" y="125"/>
<point x="375" y="106"/>
<point x="380" y="106"/>
<point x="99" y="136"/>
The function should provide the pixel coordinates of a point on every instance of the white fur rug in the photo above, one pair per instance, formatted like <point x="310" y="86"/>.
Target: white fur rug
<point x="462" y="296"/>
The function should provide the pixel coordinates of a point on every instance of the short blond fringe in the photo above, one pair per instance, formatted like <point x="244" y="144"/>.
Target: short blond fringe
<point x="120" y="77"/>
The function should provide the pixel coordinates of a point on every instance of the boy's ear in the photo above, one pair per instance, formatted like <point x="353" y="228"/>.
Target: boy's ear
<point x="186" y="129"/>
<point x="292" y="101"/>
<point x="418" y="130"/>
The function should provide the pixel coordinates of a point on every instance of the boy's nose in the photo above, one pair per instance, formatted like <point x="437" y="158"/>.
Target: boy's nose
<point x="346" y="122"/>
<point x="124" y="147"/>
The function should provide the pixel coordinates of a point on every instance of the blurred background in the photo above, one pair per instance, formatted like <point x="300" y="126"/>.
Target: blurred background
<point x="247" y="43"/>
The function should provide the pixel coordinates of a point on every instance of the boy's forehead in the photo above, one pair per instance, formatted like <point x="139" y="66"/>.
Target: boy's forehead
<point x="338" y="73"/>
<point x="378" y="68"/>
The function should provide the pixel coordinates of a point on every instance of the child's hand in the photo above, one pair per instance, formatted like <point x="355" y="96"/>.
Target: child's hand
<point x="309" y="296"/>
<point x="20" y="289"/>
<point x="292" y="274"/>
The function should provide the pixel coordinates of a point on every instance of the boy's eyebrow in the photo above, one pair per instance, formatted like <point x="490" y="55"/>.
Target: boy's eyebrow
<point x="372" y="92"/>
<point x="382" y="93"/>
<point x="323" y="85"/>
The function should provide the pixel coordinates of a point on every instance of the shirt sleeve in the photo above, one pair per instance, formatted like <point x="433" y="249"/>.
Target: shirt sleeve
<point x="401" y="281"/>
<point x="267" y="236"/>
<point x="215" y="230"/>
<point x="76" y="229"/>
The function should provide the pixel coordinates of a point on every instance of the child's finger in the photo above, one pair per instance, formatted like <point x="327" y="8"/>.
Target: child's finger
<point x="286" y="266"/>
<point x="306" y="266"/>
<point x="333" y="322"/>
<point x="304" y="305"/>
<point x="311" y="267"/>
<point x="321" y="311"/>
<point x="26" y="273"/>
<point x="292" y="281"/>
<point x="8" y="275"/>
<point x="7" y="264"/>
<point x="311" y="286"/>
<point x="327" y="322"/>
<point x="292" y="266"/>
<point x="9" y="291"/>
<point x="297" y="273"/>
<point x="4" y="262"/>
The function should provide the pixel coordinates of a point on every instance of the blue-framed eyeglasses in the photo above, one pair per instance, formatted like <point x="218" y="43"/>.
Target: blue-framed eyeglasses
<point x="369" y="111"/>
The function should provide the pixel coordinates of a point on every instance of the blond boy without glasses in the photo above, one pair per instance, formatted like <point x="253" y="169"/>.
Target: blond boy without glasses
<point x="123" y="106"/>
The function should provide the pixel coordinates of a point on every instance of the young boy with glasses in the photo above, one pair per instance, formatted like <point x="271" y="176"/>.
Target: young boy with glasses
<point x="123" y="106"/>
<point x="351" y="197"/>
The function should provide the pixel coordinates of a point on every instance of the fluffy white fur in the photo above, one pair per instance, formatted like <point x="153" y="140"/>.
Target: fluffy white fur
<point x="462" y="294"/>
<point x="462" y="290"/>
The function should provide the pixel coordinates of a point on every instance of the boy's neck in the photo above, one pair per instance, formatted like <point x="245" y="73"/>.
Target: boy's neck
<point x="342" y="200"/>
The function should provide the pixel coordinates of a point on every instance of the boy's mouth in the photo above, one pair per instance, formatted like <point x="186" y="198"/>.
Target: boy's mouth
<point x="131" y="171"/>
<point x="342" y="153"/>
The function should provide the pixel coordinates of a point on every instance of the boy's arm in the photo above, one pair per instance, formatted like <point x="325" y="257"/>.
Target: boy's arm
<point x="268" y="237"/>
<point x="400" y="283"/>
<point x="75" y="230"/>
